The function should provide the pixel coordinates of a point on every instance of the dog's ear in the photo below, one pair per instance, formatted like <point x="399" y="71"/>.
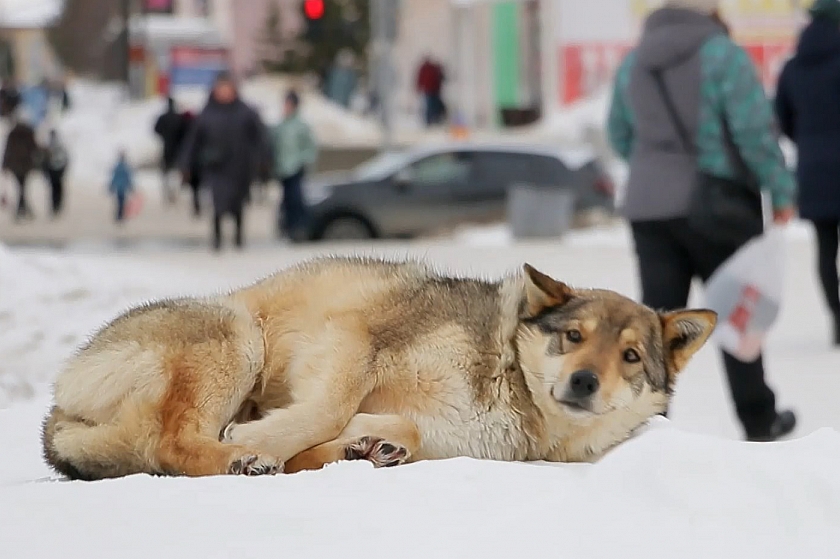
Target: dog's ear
<point x="683" y="333"/>
<point x="542" y="292"/>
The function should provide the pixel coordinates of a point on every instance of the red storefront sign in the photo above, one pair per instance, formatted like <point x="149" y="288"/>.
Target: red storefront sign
<point x="588" y="67"/>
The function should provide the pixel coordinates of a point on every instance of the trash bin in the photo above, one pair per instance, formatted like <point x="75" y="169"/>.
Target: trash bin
<point x="539" y="211"/>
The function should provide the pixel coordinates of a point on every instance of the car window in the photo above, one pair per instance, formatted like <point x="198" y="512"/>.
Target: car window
<point x="381" y="165"/>
<point x="441" y="168"/>
<point x="550" y="170"/>
<point x="502" y="169"/>
<point x="511" y="168"/>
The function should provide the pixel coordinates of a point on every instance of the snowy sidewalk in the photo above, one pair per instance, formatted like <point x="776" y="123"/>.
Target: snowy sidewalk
<point x="89" y="218"/>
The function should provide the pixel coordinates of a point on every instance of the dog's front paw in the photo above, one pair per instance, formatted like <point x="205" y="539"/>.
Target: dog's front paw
<point x="380" y="452"/>
<point x="253" y="465"/>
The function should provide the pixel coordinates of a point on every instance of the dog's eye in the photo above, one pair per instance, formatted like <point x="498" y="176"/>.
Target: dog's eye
<point x="574" y="336"/>
<point x="631" y="356"/>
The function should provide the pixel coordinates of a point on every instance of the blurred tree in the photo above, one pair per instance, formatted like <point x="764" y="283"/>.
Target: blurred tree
<point x="86" y="36"/>
<point x="343" y="24"/>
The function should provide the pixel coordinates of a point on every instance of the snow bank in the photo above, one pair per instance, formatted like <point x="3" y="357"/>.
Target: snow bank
<point x="29" y="13"/>
<point x="664" y="494"/>
<point x="575" y="124"/>
<point x="49" y="304"/>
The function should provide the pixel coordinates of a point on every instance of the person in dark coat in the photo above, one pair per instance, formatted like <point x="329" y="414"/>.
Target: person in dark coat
<point x="809" y="114"/>
<point x="193" y="180"/>
<point x="226" y="143"/>
<point x="56" y="160"/>
<point x="170" y="127"/>
<point x="9" y="98"/>
<point x="20" y="158"/>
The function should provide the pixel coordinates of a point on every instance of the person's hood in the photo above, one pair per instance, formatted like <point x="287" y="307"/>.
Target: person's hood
<point x="819" y="40"/>
<point x="671" y="35"/>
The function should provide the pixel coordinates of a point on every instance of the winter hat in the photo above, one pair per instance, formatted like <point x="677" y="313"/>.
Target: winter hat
<point x="826" y="9"/>
<point x="707" y="7"/>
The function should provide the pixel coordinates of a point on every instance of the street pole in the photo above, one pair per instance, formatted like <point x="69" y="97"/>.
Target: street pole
<point x="381" y="38"/>
<point x="126" y="16"/>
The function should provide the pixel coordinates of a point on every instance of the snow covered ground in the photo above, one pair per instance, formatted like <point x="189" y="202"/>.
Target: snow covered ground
<point x="684" y="488"/>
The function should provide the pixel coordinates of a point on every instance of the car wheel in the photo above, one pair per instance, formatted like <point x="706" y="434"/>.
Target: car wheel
<point x="346" y="228"/>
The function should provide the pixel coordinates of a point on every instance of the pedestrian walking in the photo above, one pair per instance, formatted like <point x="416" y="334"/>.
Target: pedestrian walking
<point x="56" y="160"/>
<point x="226" y="143"/>
<point x="9" y="97"/>
<point x="295" y="150"/>
<point x="809" y="114"/>
<point x="20" y="159"/>
<point x="170" y="126"/>
<point x="690" y="116"/>
<point x="122" y="185"/>
<point x="430" y="78"/>
<point x="193" y="178"/>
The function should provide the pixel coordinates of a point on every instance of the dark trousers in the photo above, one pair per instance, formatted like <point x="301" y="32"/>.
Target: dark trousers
<point x="196" y="198"/>
<point x="292" y="207"/>
<point x="669" y="257"/>
<point x="23" y="209"/>
<point x="434" y="108"/>
<point x="121" y="199"/>
<point x="828" y="235"/>
<point x="56" y="189"/>
<point x="238" y="219"/>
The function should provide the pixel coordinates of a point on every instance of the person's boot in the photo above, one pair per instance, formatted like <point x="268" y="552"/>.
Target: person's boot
<point x="837" y="329"/>
<point x="783" y="425"/>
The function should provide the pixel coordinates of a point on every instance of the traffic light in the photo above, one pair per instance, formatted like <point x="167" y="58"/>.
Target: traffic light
<point x="313" y="19"/>
<point x="313" y="9"/>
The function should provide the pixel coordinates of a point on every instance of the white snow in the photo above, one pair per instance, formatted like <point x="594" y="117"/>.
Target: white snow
<point x="23" y="14"/>
<point x="685" y="488"/>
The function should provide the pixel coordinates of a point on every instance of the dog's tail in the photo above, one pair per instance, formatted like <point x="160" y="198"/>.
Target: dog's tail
<point x="83" y="450"/>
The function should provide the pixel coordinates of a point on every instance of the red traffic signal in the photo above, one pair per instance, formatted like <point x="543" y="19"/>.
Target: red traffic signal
<point x="313" y="9"/>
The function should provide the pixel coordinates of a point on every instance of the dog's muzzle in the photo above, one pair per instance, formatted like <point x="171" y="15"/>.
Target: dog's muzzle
<point x="578" y="392"/>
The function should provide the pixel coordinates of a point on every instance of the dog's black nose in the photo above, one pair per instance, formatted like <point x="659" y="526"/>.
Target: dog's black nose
<point x="583" y="384"/>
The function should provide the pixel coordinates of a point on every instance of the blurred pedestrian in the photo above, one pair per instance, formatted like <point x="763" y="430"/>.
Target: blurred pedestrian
<point x="56" y="160"/>
<point x="341" y="79"/>
<point x="226" y="143"/>
<point x="36" y="100"/>
<point x="690" y="115"/>
<point x="170" y="126"/>
<point x="9" y="97"/>
<point x="809" y="114"/>
<point x="193" y="178"/>
<point x="430" y="78"/>
<point x="295" y="150"/>
<point x="122" y="184"/>
<point x="20" y="158"/>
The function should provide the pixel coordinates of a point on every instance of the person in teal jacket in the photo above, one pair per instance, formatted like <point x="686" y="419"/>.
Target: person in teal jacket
<point x="295" y="150"/>
<point x="122" y="184"/>
<point x="710" y="81"/>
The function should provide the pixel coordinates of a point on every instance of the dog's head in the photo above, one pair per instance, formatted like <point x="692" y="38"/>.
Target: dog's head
<point x="596" y="352"/>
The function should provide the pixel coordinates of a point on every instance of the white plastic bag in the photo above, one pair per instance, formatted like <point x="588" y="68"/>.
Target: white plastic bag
<point x="746" y="292"/>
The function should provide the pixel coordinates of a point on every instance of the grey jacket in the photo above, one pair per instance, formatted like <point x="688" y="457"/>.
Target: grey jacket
<point x="708" y="78"/>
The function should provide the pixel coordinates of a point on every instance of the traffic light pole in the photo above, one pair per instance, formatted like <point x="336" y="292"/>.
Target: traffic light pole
<point x="382" y="21"/>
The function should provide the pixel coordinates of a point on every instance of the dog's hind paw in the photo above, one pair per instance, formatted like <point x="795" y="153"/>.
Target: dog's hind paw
<point x="253" y="465"/>
<point x="380" y="452"/>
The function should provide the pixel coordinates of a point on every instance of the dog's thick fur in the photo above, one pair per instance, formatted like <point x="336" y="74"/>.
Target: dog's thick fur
<point x="365" y="359"/>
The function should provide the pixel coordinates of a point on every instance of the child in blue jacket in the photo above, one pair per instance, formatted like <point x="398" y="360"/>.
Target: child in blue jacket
<point x="122" y="184"/>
